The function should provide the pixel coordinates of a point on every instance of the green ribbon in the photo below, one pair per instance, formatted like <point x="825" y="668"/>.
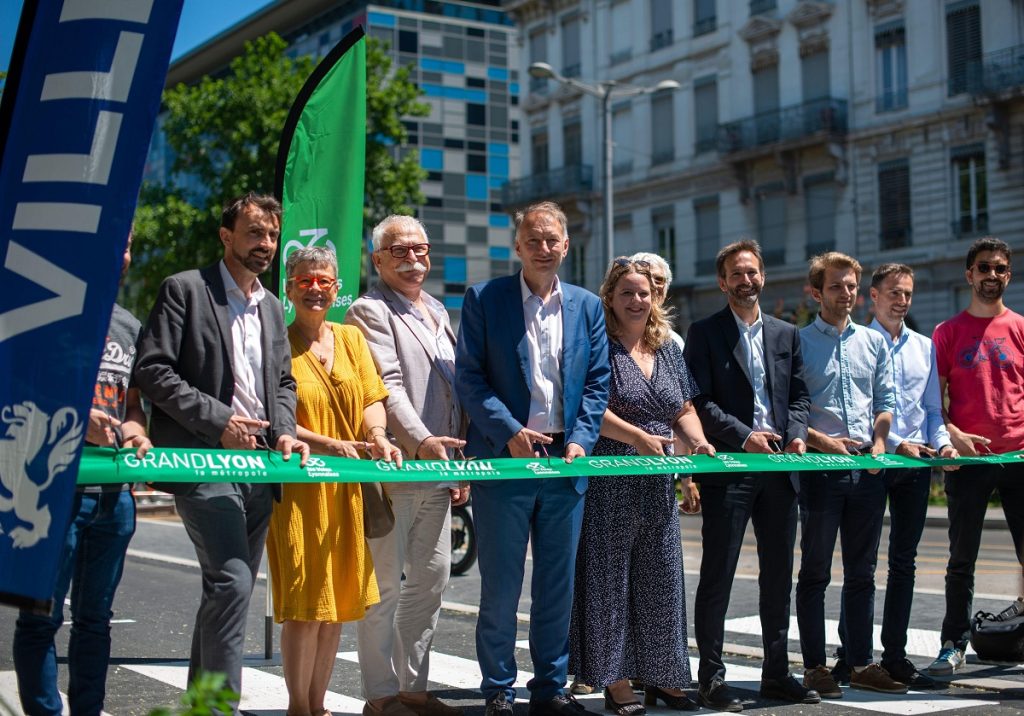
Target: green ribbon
<point x="106" y="466"/>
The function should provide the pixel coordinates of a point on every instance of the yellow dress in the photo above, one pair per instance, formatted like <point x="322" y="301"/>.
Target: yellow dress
<point x="320" y="565"/>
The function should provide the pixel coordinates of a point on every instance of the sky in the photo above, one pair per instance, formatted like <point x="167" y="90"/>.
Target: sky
<point x="200" y="20"/>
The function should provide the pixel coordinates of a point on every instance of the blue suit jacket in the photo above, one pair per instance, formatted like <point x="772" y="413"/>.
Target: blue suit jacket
<point x="492" y="366"/>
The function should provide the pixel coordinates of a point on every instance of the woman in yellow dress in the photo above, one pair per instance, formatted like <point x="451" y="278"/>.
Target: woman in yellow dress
<point x="321" y="568"/>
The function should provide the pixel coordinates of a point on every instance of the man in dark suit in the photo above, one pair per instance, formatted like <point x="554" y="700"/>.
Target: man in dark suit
<point x="531" y="368"/>
<point x="214" y="360"/>
<point x="752" y="399"/>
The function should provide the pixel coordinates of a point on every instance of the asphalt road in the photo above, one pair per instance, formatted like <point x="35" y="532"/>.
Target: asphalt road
<point x="160" y="589"/>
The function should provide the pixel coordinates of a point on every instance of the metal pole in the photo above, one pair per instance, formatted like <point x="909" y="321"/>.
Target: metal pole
<point x="609" y="202"/>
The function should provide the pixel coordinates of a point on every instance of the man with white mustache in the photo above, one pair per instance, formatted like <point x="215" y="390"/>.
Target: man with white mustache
<point x="980" y="357"/>
<point x="413" y="345"/>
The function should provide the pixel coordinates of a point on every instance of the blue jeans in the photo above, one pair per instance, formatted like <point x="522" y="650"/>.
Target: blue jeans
<point x="101" y="527"/>
<point x="851" y="505"/>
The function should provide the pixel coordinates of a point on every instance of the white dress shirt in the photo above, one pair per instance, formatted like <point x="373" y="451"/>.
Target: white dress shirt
<point x="915" y="379"/>
<point x="752" y="346"/>
<point x="246" y="348"/>
<point x="544" y="340"/>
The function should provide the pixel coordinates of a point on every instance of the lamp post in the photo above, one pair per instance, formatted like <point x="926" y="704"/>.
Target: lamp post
<point x="605" y="92"/>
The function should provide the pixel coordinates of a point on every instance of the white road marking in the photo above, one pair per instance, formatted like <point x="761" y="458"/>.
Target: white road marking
<point x="453" y="671"/>
<point x="9" y="701"/>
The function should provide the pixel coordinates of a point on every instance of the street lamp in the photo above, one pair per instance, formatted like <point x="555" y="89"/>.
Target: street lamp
<point x="604" y="91"/>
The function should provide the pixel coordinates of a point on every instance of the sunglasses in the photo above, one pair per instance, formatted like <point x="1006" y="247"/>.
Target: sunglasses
<point x="626" y="261"/>
<point x="984" y="267"/>
<point x="306" y="282"/>
<point x="400" y="251"/>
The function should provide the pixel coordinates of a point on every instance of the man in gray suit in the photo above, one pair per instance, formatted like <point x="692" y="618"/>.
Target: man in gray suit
<point x="214" y="360"/>
<point x="413" y="346"/>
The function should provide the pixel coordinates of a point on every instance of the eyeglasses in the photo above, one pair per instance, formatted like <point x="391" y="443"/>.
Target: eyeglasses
<point x="400" y="251"/>
<point x="985" y="267"/>
<point x="307" y="281"/>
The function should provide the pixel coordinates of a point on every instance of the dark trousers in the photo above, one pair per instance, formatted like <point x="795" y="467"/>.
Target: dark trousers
<point x="770" y="502"/>
<point x="967" y="493"/>
<point x="848" y="504"/>
<point x="907" y="491"/>
<point x="227" y="523"/>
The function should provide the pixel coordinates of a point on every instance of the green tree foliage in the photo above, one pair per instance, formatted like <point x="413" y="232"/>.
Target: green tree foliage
<point x="223" y="133"/>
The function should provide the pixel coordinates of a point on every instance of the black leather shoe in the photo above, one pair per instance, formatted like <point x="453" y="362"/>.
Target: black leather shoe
<point x="561" y="705"/>
<point x="905" y="672"/>
<point x="719" y="696"/>
<point x="626" y="708"/>
<point x="841" y="672"/>
<point x="788" y="689"/>
<point x="499" y="706"/>
<point x="679" y="703"/>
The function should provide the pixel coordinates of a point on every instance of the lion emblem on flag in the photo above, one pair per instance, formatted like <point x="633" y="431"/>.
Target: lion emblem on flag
<point x="34" y="445"/>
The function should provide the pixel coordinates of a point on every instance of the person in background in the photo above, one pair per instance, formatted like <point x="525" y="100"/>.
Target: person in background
<point x="321" y="570"/>
<point x="412" y="343"/>
<point x="519" y="336"/>
<point x="629" y="611"/>
<point x="753" y="398"/>
<point x="92" y="560"/>
<point x="980" y="358"/>
<point x="661" y="274"/>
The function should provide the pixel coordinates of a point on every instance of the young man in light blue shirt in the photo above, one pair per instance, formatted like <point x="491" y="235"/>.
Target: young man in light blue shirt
<point x="917" y="430"/>
<point x="849" y="377"/>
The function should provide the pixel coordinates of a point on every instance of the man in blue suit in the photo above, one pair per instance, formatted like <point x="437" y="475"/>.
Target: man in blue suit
<point x="531" y="369"/>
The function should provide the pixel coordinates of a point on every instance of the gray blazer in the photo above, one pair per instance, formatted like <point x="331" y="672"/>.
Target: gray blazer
<point x="420" y="397"/>
<point x="184" y="364"/>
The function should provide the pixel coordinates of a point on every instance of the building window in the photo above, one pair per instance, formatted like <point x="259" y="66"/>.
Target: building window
<point x="572" y="143"/>
<point x="970" y="191"/>
<point x="476" y="114"/>
<point x="704" y="20"/>
<point x="894" y="204"/>
<point x="766" y="104"/>
<point x="408" y="41"/>
<point x="571" y="46"/>
<point x="963" y="43"/>
<point x="538" y="53"/>
<point x="771" y="223"/>
<point x="664" y="222"/>
<point x="891" y="67"/>
<point x="758" y="7"/>
<point x="705" y="108"/>
<point x="663" y="145"/>
<point x="661" y="24"/>
<point x="814" y="75"/>
<point x="705" y="212"/>
<point x="622" y="138"/>
<point x="820" y="207"/>
<point x="621" y="30"/>
<point x="539" y="151"/>
<point x="623" y="233"/>
<point x="578" y="264"/>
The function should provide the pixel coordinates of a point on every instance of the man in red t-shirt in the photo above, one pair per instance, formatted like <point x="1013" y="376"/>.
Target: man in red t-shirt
<point x="980" y="356"/>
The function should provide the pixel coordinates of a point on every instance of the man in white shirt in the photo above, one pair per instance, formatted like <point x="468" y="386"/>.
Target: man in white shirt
<point x="531" y="369"/>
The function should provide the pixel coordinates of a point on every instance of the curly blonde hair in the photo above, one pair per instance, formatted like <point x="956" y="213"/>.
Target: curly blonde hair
<point x="656" y="332"/>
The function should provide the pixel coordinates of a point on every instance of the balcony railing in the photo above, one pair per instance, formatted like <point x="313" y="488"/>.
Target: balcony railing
<point x="662" y="38"/>
<point x="565" y="181"/>
<point x="818" y="116"/>
<point x="705" y="25"/>
<point x="891" y="101"/>
<point x="997" y="72"/>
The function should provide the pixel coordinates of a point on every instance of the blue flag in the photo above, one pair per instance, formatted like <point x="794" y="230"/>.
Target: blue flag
<point x="77" y="114"/>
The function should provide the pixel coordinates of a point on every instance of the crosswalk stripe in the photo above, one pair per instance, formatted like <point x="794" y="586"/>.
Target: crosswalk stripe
<point x="9" y="701"/>
<point x="453" y="671"/>
<point x="920" y="642"/>
<point x="261" y="690"/>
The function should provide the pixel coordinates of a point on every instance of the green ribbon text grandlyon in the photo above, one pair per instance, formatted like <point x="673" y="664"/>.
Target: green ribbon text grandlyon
<point x="105" y="465"/>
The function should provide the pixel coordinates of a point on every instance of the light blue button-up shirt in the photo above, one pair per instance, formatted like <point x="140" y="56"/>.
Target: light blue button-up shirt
<point x="752" y="345"/>
<point x="915" y="380"/>
<point x="849" y="378"/>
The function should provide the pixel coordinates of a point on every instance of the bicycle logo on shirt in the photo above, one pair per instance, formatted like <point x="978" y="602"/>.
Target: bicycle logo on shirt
<point x="987" y="350"/>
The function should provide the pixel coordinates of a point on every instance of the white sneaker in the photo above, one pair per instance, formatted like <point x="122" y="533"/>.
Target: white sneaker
<point x="949" y="660"/>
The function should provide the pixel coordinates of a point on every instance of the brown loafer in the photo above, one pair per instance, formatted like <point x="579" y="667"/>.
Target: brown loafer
<point x="433" y="706"/>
